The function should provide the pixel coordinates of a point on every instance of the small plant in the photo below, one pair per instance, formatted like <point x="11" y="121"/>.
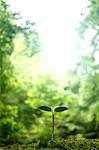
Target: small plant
<point x="58" y="109"/>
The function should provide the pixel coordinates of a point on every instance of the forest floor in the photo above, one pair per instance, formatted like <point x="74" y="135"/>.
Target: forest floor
<point x="68" y="144"/>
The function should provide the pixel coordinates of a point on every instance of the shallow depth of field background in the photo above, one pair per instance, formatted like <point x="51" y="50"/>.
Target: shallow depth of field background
<point x="49" y="55"/>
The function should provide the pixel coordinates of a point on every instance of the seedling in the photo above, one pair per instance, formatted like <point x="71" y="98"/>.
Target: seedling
<point x="58" y="109"/>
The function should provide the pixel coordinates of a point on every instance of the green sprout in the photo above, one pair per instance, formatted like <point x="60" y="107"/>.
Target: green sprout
<point x="58" y="109"/>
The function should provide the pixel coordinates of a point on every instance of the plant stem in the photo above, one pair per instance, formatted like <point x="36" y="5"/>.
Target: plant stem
<point x="52" y="126"/>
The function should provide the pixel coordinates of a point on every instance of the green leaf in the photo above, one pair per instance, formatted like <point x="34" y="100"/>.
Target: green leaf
<point x="62" y="108"/>
<point x="45" y="108"/>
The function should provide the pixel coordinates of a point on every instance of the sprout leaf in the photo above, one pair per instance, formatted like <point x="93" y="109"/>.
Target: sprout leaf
<point x="62" y="108"/>
<point x="45" y="108"/>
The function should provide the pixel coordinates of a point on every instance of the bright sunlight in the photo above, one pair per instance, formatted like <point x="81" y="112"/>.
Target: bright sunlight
<point x="56" y="21"/>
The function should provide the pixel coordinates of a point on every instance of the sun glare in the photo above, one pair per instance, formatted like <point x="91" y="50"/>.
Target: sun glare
<point x="56" y="21"/>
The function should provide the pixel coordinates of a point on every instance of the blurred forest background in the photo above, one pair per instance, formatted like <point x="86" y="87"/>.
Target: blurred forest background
<point x="21" y="93"/>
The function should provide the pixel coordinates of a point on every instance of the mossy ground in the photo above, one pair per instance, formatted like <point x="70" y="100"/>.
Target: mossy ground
<point x="68" y="144"/>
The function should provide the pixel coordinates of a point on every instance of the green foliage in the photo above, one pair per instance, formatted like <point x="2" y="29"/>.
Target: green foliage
<point x="46" y="91"/>
<point x="12" y="91"/>
<point x="31" y="40"/>
<point x="83" y="81"/>
<point x="9" y="127"/>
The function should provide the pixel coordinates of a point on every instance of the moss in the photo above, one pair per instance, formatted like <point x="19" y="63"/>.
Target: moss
<point x="69" y="144"/>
